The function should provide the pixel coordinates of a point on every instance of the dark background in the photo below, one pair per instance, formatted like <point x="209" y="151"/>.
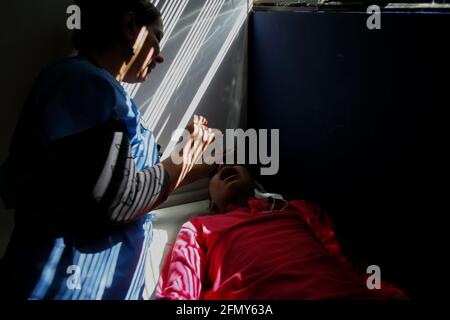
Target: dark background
<point x="363" y="119"/>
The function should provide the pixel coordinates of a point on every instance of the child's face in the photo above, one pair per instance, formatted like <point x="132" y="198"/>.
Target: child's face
<point x="230" y="185"/>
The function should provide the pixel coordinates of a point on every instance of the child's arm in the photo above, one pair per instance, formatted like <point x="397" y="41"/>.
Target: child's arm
<point x="182" y="277"/>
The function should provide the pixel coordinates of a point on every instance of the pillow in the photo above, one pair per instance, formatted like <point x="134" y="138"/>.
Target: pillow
<point x="165" y="229"/>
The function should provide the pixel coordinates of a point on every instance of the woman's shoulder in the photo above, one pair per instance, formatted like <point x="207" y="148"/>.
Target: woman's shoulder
<point x="71" y="64"/>
<point x="76" y="69"/>
<point x="75" y="96"/>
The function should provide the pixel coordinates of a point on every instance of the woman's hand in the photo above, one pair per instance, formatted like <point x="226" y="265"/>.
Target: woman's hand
<point x="194" y="148"/>
<point x="199" y="138"/>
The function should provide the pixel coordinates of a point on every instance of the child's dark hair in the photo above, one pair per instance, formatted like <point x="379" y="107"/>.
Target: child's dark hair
<point x="101" y="21"/>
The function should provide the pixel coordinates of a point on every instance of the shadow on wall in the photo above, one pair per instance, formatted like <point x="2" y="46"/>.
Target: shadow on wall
<point x="205" y="50"/>
<point x="33" y="34"/>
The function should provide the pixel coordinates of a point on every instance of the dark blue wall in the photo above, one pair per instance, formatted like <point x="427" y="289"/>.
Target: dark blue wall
<point x="362" y="118"/>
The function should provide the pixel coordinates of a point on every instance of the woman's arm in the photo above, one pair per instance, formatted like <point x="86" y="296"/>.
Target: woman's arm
<point x="197" y="138"/>
<point x="99" y="167"/>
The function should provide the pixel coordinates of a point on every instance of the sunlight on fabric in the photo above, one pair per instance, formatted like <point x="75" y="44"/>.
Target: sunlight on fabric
<point x="183" y="61"/>
<point x="135" y="292"/>
<point x="154" y="261"/>
<point x="48" y="273"/>
<point x="207" y="80"/>
<point x="97" y="271"/>
<point x="97" y="274"/>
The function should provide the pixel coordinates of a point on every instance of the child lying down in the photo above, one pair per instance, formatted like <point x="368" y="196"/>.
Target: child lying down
<point x="251" y="248"/>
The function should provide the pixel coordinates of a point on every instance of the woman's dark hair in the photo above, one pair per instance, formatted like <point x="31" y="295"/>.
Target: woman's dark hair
<point x="101" y="21"/>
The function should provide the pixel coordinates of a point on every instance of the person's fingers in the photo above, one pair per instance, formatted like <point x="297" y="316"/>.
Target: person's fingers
<point x="197" y="142"/>
<point x="190" y="127"/>
<point x="208" y="136"/>
<point x="201" y="138"/>
<point x="204" y="140"/>
<point x="198" y="131"/>
<point x="200" y="120"/>
<point x="206" y="133"/>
